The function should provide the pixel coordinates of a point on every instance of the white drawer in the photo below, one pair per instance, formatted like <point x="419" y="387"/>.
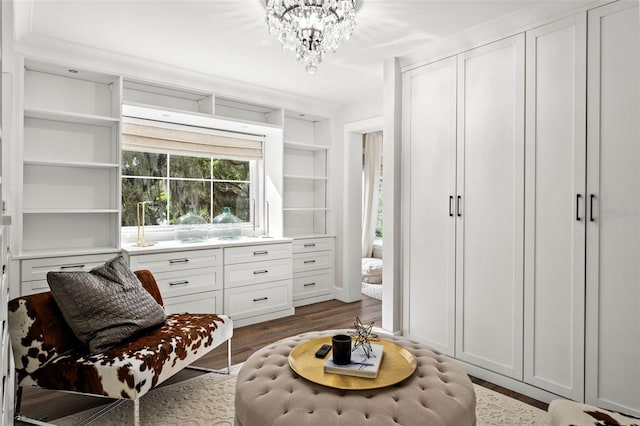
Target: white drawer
<point x="257" y="272"/>
<point x="209" y="302"/>
<point x="36" y="269"/>
<point x="253" y="300"/>
<point x="311" y="284"/>
<point x="176" y="261"/>
<point x="312" y="261"/>
<point x="33" y="287"/>
<point x="233" y="255"/>
<point x="312" y="244"/>
<point x="175" y="283"/>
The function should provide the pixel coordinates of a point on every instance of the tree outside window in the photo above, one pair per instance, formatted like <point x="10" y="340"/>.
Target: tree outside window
<point x="173" y="183"/>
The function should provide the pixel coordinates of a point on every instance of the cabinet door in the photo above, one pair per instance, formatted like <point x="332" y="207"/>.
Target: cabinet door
<point x="489" y="247"/>
<point x="429" y="182"/>
<point x="613" y="230"/>
<point x="554" y="207"/>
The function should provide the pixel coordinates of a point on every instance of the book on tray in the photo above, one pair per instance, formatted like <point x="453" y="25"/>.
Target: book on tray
<point x="360" y="365"/>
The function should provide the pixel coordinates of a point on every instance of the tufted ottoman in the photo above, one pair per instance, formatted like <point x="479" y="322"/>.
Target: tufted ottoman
<point x="269" y="392"/>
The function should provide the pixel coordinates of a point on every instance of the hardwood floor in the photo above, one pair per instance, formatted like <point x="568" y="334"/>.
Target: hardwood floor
<point x="48" y="405"/>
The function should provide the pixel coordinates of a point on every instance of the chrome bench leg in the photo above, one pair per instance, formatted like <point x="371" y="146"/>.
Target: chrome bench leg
<point x="213" y="370"/>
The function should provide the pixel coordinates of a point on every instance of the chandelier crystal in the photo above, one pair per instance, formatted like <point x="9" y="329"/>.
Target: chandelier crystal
<point x="311" y="27"/>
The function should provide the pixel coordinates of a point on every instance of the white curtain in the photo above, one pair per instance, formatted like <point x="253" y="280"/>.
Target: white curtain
<point x="370" y="184"/>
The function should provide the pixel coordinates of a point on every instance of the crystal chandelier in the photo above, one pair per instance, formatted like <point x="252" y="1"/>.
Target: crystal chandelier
<point x="311" y="27"/>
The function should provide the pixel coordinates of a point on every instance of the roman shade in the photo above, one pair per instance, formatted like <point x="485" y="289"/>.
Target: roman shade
<point x="157" y="136"/>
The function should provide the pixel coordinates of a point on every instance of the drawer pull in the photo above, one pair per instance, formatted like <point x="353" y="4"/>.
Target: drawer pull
<point x="263" y="271"/>
<point x="310" y="261"/>
<point x="179" y="282"/>
<point x="183" y="260"/>
<point x="310" y="245"/>
<point x="258" y="253"/>
<point x="309" y="284"/>
<point x="72" y="267"/>
<point x="260" y="299"/>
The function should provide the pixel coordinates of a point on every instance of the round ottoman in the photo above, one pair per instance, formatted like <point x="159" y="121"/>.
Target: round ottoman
<point x="269" y="392"/>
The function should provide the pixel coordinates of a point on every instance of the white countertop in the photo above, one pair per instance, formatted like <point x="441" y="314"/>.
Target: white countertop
<point x="176" y="245"/>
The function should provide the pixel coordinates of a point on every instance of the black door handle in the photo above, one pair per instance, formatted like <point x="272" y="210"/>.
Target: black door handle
<point x="591" y="197"/>
<point x="450" y="205"/>
<point x="578" y="196"/>
<point x="458" y="206"/>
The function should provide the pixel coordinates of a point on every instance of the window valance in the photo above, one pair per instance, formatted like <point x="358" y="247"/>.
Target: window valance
<point x="157" y="136"/>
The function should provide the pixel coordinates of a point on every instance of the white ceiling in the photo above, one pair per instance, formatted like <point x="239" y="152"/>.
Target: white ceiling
<point x="229" y="39"/>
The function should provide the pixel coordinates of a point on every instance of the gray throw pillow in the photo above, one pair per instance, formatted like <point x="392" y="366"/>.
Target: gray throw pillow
<point x="105" y="306"/>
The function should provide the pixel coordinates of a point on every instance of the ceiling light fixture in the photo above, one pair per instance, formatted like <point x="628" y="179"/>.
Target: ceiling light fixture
<point x="311" y="27"/>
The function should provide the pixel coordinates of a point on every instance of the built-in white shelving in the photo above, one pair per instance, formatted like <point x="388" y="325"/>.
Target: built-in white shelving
<point x="70" y="180"/>
<point x="306" y="176"/>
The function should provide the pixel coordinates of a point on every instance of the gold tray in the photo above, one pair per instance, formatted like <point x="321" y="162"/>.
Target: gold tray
<point x="397" y="364"/>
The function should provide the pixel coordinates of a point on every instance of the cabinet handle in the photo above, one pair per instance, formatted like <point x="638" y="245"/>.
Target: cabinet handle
<point x="309" y="284"/>
<point x="257" y="253"/>
<point x="259" y="299"/>
<point x="264" y="271"/>
<point x="179" y="282"/>
<point x="591" y="197"/>
<point x="310" y="261"/>
<point x="578" y="196"/>
<point x="172" y="261"/>
<point x="458" y="202"/>
<point x="72" y="267"/>
<point x="450" y="205"/>
<point x="310" y="245"/>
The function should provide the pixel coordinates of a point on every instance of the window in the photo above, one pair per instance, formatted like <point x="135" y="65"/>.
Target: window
<point x="175" y="166"/>
<point x="172" y="183"/>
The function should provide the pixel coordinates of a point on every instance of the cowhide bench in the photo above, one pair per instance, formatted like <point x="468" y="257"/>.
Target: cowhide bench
<point x="563" y="412"/>
<point x="269" y="392"/>
<point x="48" y="355"/>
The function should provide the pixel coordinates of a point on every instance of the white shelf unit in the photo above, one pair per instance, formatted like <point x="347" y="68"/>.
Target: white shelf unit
<point x="161" y="96"/>
<point x="70" y="183"/>
<point x="306" y="177"/>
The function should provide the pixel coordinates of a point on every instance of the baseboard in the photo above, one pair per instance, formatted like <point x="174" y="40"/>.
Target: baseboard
<point x="261" y="318"/>
<point x="312" y="300"/>
<point x="509" y="383"/>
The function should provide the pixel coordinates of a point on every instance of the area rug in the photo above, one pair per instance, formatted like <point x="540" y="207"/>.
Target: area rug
<point x="372" y="290"/>
<point x="209" y="400"/>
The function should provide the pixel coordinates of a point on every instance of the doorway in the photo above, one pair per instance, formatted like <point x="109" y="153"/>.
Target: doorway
<point x="372" y="215"/>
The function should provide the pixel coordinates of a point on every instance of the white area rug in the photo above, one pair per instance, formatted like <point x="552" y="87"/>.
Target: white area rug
<point x="209" y="400"/>
<point x="372" y="290"/>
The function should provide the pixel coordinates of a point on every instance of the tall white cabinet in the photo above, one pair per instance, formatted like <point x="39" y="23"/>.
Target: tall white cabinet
<point x="464" y="177"/>
<point x="306" y="207"/>
<point x="69" y="197"/>
<point x="555" y="201"/>
<point x="429" y="95"/>
<point x="536" y="192"/>
<point x="613" y="203"/>
<point x="489" y="206"/>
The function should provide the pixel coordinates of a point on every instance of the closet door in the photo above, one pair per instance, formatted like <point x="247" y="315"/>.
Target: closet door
<point x="429" y="145"/>
<point x="554" y="207"/>
<point x="489" y="274"/>
<point x="613" y="227"/>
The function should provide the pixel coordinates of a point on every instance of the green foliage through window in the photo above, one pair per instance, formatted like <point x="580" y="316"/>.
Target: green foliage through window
<point x="172" y="183"/>
<point x="380" y="209"/>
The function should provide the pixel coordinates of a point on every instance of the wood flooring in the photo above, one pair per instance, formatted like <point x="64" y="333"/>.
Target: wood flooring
<point x="49" y="405"/>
